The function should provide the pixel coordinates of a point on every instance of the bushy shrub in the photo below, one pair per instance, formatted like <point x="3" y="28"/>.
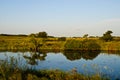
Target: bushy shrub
<point x="81" y="45"/>
<point x="90" y="45"/>
<point x="72" y="44"/>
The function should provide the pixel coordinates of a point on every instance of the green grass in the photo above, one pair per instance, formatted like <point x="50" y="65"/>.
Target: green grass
<point x="10" y="71"/>
<point x="47" y="75"/>
<point x="24" y="43"/>
<point x="16" y="43"/>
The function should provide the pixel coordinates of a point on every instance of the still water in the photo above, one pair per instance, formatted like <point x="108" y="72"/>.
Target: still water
<point x="88" y="63"/>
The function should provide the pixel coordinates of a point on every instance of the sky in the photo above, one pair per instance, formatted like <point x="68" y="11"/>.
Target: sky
<point x="72" y="18"/>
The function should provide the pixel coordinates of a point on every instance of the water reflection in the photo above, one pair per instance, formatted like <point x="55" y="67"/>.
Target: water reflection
<point x="34" y="56"/>
<point x="114" y="52"/>
<point x="90" y="55"/>
<point x="105" y="63"/>
<point x="70" y="55"/>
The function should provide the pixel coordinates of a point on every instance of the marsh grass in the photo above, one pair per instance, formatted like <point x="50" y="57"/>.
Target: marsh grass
<point x="12" y="71"/>
<point x="24" y="43"/>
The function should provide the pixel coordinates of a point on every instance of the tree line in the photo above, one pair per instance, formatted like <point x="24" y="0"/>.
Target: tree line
<point x="39" y="34"/>
<point x="21" y="35"/>
<point x="106" y="36"/>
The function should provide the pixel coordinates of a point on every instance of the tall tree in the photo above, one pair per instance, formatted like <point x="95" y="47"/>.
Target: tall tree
<point x="107" y="36"/>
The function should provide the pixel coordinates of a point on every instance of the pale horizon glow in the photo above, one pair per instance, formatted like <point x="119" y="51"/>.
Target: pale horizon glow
<point x="71" y="18"/>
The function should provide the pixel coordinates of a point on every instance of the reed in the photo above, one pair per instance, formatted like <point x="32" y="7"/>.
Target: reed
<point x="10" y="71"/>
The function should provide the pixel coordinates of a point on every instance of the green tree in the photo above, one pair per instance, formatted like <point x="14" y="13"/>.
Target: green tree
<point x="42" y="34"/>
<point x="107" y="36"/>
<point x="35" y="44"/>
<point x="85" y="36"/>
<point x="32" y="35"/>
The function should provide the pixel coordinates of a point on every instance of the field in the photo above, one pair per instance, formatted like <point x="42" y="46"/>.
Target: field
<point x="28" y="43"/>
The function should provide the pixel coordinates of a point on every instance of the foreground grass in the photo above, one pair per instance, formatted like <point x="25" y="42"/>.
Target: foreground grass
<point x="30" y="74"/>
<point x="14" y="70"/>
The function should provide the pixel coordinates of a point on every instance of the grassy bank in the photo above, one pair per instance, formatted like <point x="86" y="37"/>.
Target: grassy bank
<point x="27" y="43"/>
<point x="47" y="75"/>
<point x="10" y="71"/>
<point x="109" y="46"/>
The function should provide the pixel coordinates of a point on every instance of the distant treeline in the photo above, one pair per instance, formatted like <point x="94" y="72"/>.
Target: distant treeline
<point x="22" y="35"/>
<point x="106" y="36"/>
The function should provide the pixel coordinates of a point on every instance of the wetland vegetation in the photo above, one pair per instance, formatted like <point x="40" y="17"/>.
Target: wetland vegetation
<point x="73" y="48"/>
<point x="41" y="41"/>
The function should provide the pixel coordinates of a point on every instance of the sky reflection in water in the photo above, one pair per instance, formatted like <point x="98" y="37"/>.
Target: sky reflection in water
<point x="85" y="62"/>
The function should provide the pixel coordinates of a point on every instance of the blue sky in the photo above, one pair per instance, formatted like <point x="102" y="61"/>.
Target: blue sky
<point x="60" y="17"/>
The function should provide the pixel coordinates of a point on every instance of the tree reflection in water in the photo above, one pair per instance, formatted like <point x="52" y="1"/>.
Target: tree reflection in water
<point x="76" y="55"/>
<point x="72" y="55"/>
<point x="90" y="55"/>
<point x="34" y="56"/>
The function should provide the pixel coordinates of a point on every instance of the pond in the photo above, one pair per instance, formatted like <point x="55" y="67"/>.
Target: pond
<point x="88" y="63"/>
